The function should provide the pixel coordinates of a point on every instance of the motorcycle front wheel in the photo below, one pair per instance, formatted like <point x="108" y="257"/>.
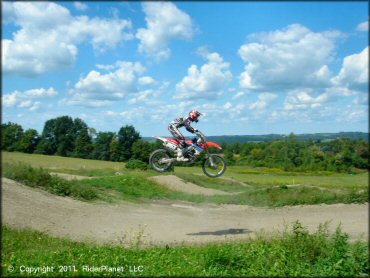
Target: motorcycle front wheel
<point x="160" y="161"/>
<point x="214" y="165"/>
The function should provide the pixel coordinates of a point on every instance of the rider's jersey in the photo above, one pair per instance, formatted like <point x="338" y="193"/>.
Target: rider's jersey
<point x="183" y="121"/>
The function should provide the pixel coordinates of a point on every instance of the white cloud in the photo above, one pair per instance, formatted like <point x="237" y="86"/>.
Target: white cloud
<point x="10" y="100"/>
<point x="98" y="89"/>
<point x="288" y="58"/>
<point x="36" y="106"/>
<point x="363" y="27"/>
<point x="49" y="34"/>
<point x="263" y="101"/>
<point x="164" y="22"/>
<point x="239" y="95"/>
<point x="147" y="96"/>
<point x="309" y="98"/>
<point x="27" y="98"/>
<point x="208" y="82"/>
<point x="40" y="93"/>
<point x="354" y="73"/>
<point x="147" y="81"/>
<point x="8" y="12"/>
<point x="25" y="104"/>
<point x="80" y="6"/>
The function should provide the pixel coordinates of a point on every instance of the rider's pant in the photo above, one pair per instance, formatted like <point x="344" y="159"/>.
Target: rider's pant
<point x="177" y="134"/>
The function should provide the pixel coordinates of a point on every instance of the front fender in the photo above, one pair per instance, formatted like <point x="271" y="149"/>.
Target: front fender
<point x="212" y="144"/>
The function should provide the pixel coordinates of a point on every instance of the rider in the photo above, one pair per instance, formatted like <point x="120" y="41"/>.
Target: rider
<point x="180" y="122"/>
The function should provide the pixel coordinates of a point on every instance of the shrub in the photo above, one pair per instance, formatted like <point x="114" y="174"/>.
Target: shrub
<point x="83" y="192"/>
<point x="38" y="177"/>
<point x="34" y="177"/>
<point x="136" y="164"/>
<point x="59" y="187"/>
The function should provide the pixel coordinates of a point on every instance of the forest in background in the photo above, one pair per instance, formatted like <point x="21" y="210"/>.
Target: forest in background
<point x="69" y="137"/>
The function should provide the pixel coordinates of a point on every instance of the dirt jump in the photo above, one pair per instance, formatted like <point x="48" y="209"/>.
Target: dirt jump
<point x="160" y="222"/>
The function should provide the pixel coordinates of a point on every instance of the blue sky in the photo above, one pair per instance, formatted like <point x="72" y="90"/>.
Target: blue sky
<point x="251" y="67"/>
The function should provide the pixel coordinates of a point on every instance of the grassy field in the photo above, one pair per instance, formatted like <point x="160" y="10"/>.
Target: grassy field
<point x="251" y="186"/>
<point x="292" y="253"/>
<point x="295" y="252"/>
<point x="86" y="167"/>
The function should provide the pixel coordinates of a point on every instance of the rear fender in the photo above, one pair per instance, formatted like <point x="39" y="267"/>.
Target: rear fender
<point x="161" y="138"/>
<point x="212" y="144"/>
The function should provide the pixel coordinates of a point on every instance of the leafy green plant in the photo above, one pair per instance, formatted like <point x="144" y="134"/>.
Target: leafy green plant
<point x="38" y="177"/>
<point x="294" y="252"/>
<point x="136" y="164"/>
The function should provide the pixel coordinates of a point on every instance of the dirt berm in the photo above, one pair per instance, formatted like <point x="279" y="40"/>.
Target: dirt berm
<point x="171" y="222"/>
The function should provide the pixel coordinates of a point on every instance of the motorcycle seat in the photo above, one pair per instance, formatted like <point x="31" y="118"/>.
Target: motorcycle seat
<point x="177" y="142"/>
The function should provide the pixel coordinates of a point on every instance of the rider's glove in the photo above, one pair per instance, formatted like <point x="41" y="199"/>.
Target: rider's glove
<point x="196" y="130"/>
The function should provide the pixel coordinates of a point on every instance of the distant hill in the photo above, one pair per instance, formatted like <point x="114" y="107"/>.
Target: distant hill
<point x="230" y="139"/>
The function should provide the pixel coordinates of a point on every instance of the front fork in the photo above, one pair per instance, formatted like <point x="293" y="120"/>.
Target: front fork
<point x="213" y="165"/>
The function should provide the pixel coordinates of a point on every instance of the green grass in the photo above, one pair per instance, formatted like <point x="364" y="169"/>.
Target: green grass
<point x="39" y="177"/>
<point x="267" y="187"/>
<point x="291" y="253"/>
<point x="137" y="187"/>
<point x="227" y="185"/>
<point x="79" y="166"/>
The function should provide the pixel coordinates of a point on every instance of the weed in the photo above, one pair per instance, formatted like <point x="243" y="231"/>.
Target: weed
<point x="295" y="252"/>
<point x="136" y="164"/>
<point x="38" y="177"/>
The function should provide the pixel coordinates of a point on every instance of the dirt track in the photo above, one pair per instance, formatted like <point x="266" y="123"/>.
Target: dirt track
<point x="176" y="184"/>
<point x="172" y="222"/>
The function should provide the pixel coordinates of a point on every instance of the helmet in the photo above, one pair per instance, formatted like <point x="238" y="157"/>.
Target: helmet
<point x="194" y="114"/>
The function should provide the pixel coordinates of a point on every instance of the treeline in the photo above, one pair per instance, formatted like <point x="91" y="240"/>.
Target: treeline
<point x="290" y="154"/>
<point x="65" y="136"/>
<point x="231" y="139"/>
<point x="69" y="137"/>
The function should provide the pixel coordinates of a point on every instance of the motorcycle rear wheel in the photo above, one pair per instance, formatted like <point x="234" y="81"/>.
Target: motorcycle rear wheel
<point x="216" y="168"/>
<point x="155" y="160"/>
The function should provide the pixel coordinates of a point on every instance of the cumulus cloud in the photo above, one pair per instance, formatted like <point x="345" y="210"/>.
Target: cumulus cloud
<point x="147" y="81"/>
<point x="49" y="34"/>
<point x="164" y="22"/>
<point x="284" y="59"/>
<point x="28" y="99"/>
<point x="80" y="6"/>
<point x="102" y="89"/>
<point x="263" y="101"/>
<point x="208" y="82"/>
<point x="363" y="27"/>
<point x="354" y="73"/>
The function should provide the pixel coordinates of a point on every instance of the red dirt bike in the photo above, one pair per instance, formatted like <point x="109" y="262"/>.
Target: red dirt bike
<point x="162" y="160"/>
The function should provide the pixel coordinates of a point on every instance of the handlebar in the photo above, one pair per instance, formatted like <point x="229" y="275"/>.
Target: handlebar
<point x="201" y="136"/>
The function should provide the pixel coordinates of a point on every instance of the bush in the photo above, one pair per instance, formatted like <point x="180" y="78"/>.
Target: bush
<point x="136" y="164"/>
<point x="38" y="177"/>
<point x="59" y="187"/>
<point x="83" y="192"/>
<point x="34" y="177"/>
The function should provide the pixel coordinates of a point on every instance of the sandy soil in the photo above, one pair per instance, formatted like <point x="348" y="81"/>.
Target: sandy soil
<point x="164" y="222"/>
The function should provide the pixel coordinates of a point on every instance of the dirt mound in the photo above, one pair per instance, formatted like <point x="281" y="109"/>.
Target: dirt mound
<point x="161" y="222"/>
<point x="176" y="184"/>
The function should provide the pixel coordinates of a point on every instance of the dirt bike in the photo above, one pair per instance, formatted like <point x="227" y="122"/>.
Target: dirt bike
<point x="161" y="160"/>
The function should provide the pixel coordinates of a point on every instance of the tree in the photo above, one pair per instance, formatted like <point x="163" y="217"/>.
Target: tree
<point x="84" y="146"/>
<point x="127" y="136"/>
<point x="102" y="145"/>
<point x="60" y="135"/>
<point x="141" y="150"/>
<point x="113" y="149"/>
<point x="29" y="141"/>
<point x="11" y="133"/>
